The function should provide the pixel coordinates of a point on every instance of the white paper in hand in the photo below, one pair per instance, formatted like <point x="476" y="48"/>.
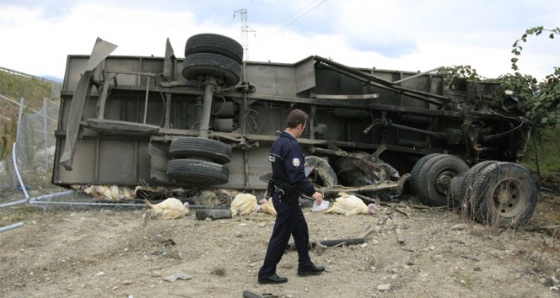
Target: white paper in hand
<point x="324" y="205"/>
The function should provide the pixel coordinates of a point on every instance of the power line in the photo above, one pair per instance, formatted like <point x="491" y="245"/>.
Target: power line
<point x="296" y="13"/>
<point x="299" y="17"/>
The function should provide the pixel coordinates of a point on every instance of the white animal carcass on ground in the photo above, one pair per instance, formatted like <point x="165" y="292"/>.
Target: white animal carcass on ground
<point x="243" y="204"/>
<point x="170" y="208"/>
<point x="350" y="205"/>
<point x="266" y="207"/>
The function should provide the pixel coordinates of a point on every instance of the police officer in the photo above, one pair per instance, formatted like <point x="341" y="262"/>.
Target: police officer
<point x="289" y="181"/>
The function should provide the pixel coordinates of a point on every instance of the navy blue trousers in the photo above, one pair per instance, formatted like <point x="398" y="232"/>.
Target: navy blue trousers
<point x="289" y="222"/>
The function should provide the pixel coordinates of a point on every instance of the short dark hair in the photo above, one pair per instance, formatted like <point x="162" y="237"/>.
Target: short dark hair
<point x="295" y="118"/>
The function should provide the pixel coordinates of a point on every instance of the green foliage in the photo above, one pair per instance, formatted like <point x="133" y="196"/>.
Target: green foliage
<point x="14" y="87"/>
<point x="524" y="86"/>
<point x="9" y="129"/>
<point x="542" y="154"/>
<point x="517" y="48"/>
<point x="544" y="106"/>
<point x="544" y="97"/>
<point x="31" y="89"/>
<point x="460" y="71"/>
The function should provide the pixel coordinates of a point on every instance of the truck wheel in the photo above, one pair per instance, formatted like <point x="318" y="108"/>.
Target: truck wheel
<point x="322" y="173"/>
<point x="464" y="197"/>
<point x="225" y="69"/>
<point x="197" y="172"/>
<point x="508" y="194"/>
<point x="189" y="147"/>
<point x="433" y="181"/>
<point x="417" y="169"/>
<point x="215" y="44"/>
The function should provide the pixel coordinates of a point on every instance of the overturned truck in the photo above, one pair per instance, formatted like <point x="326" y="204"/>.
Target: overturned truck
<point x="208" y="120"/>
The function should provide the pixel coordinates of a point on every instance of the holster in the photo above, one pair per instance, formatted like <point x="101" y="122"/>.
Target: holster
<point x="271" y="187"/>
<point x="285" y="191"/>
<point x="291" y="194"/>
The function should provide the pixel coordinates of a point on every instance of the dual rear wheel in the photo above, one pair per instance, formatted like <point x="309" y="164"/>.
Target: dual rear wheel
<point x="200" y="161"/>
<point x="496" y="193"/>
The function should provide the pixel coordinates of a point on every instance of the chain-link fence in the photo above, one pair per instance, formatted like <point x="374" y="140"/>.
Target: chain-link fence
<point x="26" y="172"/>
<point x="32" y="153"/>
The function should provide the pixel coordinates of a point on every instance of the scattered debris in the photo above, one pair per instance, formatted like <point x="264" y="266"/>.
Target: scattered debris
<point x="400" y="237"/>
<point x="219" y="271"/>
<point x="168" y="242"/>
<point x="249" y="294"/>
<point x="384" y="287"/>
<point x="470" y="258"/>
<point x="203" y="214"/>
<point x="176" y="276"/>
<point x="459" y="227"/>
<point x="330" y="243"/>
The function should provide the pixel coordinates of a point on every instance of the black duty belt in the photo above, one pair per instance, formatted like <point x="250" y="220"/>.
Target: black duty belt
<point x="284" y="190"/>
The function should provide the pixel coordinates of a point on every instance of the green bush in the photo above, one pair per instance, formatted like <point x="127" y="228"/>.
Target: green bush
<point x="542" y="155"/>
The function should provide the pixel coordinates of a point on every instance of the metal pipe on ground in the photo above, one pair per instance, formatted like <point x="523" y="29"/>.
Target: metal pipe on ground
<point x="11" y="227"/>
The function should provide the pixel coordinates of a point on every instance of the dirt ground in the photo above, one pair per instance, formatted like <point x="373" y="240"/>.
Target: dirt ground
<point x="113" y="252"/>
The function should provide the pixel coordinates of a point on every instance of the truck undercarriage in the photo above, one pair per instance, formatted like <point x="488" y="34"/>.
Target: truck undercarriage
<point x="208" y="120"/>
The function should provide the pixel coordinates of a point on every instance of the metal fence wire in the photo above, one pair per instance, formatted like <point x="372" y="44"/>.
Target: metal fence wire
<point x="28" y="166"/>
<point x="34" y="148"/>
<point x="26" y="172"/>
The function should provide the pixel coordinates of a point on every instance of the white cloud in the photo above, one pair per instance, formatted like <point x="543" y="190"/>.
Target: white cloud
<point x="399" y="34"/>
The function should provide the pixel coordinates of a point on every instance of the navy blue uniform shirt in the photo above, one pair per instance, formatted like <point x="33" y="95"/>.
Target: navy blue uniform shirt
<point x="288" y="163"/>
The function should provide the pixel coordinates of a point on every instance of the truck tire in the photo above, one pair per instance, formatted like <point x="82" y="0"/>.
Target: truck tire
<point x="225" y="69"/>
<point x="418" y="167"/>
<point x="197" y="172"/>
<point x="507" y="193"/>
<point x="215" y="44"/>
<point x="465" y="197"/>
<point x="433" y="181"/>
<point x="190" y="147"/>
<point x="322" y="173"/>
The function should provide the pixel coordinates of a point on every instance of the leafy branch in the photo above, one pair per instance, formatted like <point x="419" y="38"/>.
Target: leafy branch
<point x="517" y="48"/>
<point x="460" y="71"/>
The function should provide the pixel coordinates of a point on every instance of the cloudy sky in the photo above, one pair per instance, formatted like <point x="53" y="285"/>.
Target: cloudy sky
<point x="36" y="36"/>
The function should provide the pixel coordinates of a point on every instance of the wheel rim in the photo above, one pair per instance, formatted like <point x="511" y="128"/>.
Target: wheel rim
<point x="443" y="181"/>
<point x="509" y="198"/>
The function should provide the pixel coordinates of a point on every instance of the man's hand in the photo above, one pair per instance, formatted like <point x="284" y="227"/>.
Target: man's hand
<point x="318" y="197"/>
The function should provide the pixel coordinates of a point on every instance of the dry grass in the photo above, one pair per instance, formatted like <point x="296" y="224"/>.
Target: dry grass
<point x="18" y="213"/>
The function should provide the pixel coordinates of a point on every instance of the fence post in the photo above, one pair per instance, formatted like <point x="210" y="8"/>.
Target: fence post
<point x="45" y="129"/>
<point x="16" y="143"/>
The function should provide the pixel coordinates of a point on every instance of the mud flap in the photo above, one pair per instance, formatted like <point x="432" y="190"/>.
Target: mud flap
<point x="101" y="50"/>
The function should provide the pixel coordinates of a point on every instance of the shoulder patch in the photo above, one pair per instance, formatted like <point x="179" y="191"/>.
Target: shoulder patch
<point x="296" y="162"/>
<point x="271" y="158"/>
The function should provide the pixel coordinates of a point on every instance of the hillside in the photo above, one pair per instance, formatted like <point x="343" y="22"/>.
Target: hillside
<point x="14" y="86"/>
